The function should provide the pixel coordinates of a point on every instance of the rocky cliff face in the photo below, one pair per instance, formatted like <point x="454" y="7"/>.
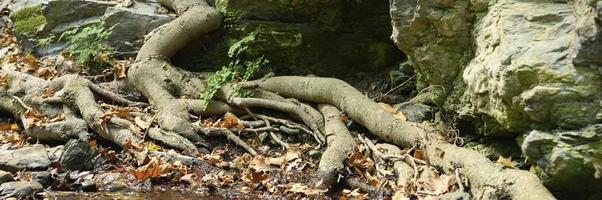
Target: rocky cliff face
<point x="513" y="66"/>
<point x="325" y="37"/>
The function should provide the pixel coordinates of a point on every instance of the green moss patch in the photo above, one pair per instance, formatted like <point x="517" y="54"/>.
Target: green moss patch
<point x="28" y="20"/>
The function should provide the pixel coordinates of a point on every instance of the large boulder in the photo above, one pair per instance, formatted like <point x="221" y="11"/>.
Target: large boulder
<point x="326" y="37"/>
<point x="512" y="66"/>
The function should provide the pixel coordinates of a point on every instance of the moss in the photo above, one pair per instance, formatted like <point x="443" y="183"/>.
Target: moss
<point x="28" y="20"/>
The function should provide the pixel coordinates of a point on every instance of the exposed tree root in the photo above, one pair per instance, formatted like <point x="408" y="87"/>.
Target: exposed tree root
<point x="339" y="145"/>
<point x="477" y="168"/>
<point x="69" y="109"/>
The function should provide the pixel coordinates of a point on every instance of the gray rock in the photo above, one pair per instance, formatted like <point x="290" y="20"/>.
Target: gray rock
<point x="5" y="176"/>
<point x="77" y="155"/>
<point x="567" y="160"/>
<point x="417" y="112"/>
<point x="57" y="16"/>
<point x="34" y="157"/>
<point x="493" y="148"/>
<point x="526" y="65"/>
<point x="314" y="154"/>
<point x="111" y="182"/>
<point x="513" y="66"/>
<point x="42" y="177"/>
<point x="54" y="153"/>
<point x="20" y="189"/>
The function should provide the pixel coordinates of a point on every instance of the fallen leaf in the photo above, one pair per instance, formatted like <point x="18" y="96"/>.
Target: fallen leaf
<point x="155" y="168"/>
<point x="260" y="164"/>
<point x="419" y="154"/>
<point x="360" y="162"/>
<point x="441" y="184"/>
<point x="396" y="113"/>
<point x="191" y="179"/>
<point x="231" y="121"/>
<point x="253" y="177"/>
<point x="507" y="162"/>
<point x="120" y="69"/>
<point x="355" y="194"/>
<point x="303" y="189"/>
<point x="291" y="154"/>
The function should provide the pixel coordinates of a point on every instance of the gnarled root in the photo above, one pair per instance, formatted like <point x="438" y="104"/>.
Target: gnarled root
<point x="481" y="172"/>
<point x="163" y="84"/>
<point x="339" y="144"/>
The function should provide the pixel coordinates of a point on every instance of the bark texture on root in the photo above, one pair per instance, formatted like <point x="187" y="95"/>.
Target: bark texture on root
<point x="339" y="144"/>
<point x="480" y="172"/>
<point x="154" y="76"/>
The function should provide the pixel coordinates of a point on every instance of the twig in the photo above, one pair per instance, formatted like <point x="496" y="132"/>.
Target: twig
<point x="149" y="126"/>
<point x="22" y="103"/>
<point x="459" y="180"/>
<point x="396" y="87"/>
<point x="275" y="138"/>
<point x="231" y="136"/>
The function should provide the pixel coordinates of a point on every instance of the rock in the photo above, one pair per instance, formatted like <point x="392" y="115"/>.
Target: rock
<point x="512" y="66"/>
<point x="567" y="160"/>
<point x="38" y="19"/>
<point x="417" y="112"/>
<point x="77" y="155"/>
<point x="111" y="182"/>
<point x="5" y="176"/>
<point x="534" y="65"/>
<point x="54" y="153"/>
<point x="493" y="148"/>
<point x="314" y="154"/>
<point x="454" y="196"/>
<point x="33" y="157"/>
<point x="20" y="189"/>
<point x="42" y="177"/>
<point x="327" y="37"/>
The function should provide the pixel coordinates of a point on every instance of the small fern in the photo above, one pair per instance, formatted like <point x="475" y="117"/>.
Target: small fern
<point x="236" y="71"/>
<point x="89" y="44"/>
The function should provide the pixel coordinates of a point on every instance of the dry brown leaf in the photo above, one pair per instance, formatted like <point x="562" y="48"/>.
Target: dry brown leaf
<point x="396" y="113"/>
<point x="120" y="69"/>
<point x="441" y="184"/>
<point x="354" y="194"/>
<point x="507" y="162"/>
<point x="373" y="180"/>
<point x="260" y="164"/>
<point x="291" y="154"/>
<point x="155" y="168"/>
<point x="231" y="121"/>
<point x="241" y="162"/>
<point x="249" y="176"/>
<point x="303" y="189"/>
<point x="419" y="154"/>
<point x="358" y="161"/>
<point x="191" y="179"/>
<point x="3" y="80"/>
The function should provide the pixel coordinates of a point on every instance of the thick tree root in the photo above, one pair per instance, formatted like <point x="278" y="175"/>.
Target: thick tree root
<point x="339" y="145"/>
<point x="482" y="173"/>
<point x="160" y="82"/>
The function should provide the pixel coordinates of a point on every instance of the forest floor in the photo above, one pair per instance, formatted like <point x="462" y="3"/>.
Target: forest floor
<point x="221" y="169"/>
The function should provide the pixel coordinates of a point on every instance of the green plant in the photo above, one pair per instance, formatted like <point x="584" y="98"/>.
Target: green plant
<point x="89" y="44"/>
<point x="44" y="42"/>
<point x="238" y="70"/>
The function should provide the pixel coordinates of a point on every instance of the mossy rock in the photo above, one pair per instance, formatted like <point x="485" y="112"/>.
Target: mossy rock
<point x="328" y="38"/>
<point x="28" y="21"/>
